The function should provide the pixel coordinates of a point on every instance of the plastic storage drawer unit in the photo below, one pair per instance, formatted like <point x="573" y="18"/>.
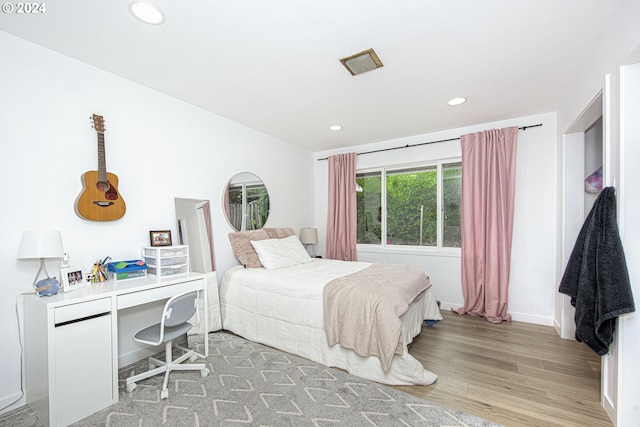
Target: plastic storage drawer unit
<point x="166" y="260"/>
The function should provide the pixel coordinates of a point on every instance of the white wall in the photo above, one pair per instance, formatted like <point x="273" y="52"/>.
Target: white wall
<point x="160" y="148"/>
<point x="532" y="284"/>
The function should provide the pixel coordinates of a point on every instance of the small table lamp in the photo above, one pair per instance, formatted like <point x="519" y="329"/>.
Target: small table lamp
<point x="42" y="244"/>
<point x="309" y="237"/>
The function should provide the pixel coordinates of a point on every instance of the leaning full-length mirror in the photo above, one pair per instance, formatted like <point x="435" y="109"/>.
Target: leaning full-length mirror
<point x="193" y="217"/>
<point x="246" y="202"/>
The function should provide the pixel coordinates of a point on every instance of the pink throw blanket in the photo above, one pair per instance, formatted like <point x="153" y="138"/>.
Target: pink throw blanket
<point x="362" y="310"/>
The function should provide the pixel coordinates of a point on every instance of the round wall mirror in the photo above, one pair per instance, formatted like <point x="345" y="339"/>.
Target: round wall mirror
<point x="246" y="202"/>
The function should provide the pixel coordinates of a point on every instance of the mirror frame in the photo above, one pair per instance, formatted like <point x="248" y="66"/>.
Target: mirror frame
<point x="244" y="185"/>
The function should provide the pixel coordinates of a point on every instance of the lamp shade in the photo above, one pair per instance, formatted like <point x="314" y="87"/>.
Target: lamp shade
<point x="309" y="236"/>
<point x="40" y="244"/>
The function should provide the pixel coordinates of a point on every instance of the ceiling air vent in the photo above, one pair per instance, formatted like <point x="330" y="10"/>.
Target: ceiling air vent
<point x="362" y="62"/>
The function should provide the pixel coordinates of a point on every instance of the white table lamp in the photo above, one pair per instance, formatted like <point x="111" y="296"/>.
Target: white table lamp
<point x="42" y="244"/>
<point x="309" y="237"/>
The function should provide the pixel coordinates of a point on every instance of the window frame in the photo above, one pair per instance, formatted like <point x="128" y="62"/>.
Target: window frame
<point x="437" y="250"/>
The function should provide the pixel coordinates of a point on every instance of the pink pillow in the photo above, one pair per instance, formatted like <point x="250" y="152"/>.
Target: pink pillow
<point x="242" y="248"/>
<point x="279" y="233"/>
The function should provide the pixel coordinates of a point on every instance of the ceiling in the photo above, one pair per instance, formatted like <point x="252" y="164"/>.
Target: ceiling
<point x="274" y="65"/>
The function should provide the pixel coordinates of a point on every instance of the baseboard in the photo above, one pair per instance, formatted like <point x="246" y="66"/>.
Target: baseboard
<point x="533" y="319"/>
<point x="135" y="356"/>
<point x="14" y="401"/>
<point x="447" y="305"/>
<point x="557" y="328"/>
<point x="610" y="409"/>
<point x="140" y="354"/>
<point x="518" y="317"/>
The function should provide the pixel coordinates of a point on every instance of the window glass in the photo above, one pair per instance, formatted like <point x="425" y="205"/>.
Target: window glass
<point x="412" y="206"/>
<point x="369" y="209"/>
<point x="451" y="201"/>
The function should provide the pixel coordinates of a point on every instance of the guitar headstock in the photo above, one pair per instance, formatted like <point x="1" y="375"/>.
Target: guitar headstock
<point x="98" y="123"/>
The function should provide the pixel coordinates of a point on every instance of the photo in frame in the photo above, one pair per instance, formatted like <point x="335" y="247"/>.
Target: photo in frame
<point x="71" y="279"/>
<point x="160" y="238"/>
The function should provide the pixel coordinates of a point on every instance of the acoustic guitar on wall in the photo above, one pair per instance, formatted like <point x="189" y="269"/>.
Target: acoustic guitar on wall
<point x="100" y="199"/>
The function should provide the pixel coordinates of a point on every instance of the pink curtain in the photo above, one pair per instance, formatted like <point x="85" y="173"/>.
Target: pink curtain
<point x="341" y="218"/>
<point x="488" y="193"/>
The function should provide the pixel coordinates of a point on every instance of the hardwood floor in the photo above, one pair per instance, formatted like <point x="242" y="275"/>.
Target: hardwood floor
<point x="512" y="373"/>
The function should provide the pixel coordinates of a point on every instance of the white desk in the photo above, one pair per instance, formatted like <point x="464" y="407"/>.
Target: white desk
<point x="71" y="343"/>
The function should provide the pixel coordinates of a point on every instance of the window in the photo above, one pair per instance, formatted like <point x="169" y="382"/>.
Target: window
<point x="451" y="202"/>
<point x="369" y="207"/>
<point x="413" y="206"/>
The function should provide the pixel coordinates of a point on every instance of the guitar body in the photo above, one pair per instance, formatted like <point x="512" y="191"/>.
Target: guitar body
<point x="98" y="202"/>
<point x="100" y="199"/>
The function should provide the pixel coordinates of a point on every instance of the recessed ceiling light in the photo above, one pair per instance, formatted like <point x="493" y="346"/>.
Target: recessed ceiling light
<point x="457" y="101"/>
<point x="335" y="127"/>
<point x="147" y="12"/>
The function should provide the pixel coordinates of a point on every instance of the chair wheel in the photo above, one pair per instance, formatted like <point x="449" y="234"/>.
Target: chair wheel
<point x="131" y="387"/>
<point x="164" y="394"/>
<point x="204" y="373"/>
<point x="193" y="358"/>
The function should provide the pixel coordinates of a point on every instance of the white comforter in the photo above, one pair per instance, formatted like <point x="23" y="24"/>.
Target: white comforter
<point x="283" y="308"/>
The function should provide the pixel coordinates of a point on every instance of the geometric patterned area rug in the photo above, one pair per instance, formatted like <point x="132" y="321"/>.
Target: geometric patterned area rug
<point x="255" y="385"/>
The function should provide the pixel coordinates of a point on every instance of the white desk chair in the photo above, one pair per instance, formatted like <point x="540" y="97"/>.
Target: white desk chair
<point x="177" y="311"/>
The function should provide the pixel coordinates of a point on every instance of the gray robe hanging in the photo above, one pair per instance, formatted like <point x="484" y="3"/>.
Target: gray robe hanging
<point x="596" y="277"/>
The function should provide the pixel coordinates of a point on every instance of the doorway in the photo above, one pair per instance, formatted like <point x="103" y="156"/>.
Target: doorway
<point x="582" y="158"/>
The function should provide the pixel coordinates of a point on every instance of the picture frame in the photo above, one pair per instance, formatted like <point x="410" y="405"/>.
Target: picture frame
<point x="71" y="279"/>
<point x="160" y="237"/>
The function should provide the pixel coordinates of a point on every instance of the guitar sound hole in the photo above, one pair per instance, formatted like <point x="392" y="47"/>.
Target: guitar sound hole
<point x="102" y="186"/>
<point x="102" y="204"/>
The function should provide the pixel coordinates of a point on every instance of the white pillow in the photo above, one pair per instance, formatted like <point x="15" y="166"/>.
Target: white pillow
<point x="279" y="253"/>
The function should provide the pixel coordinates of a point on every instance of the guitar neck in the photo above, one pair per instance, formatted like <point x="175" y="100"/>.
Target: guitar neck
<point x="102" y="163"/>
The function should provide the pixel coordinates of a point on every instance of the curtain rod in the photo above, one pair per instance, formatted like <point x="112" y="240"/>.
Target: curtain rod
<point x="425" y="143"/>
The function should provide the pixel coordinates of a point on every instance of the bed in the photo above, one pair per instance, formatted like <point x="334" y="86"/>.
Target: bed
<point x="283" y="307"/>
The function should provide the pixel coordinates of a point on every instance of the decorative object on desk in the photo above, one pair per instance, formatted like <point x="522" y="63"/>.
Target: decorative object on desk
<point x="100" y="270"/>
<point x="160" y="238"/>
<point x="72" y="279"/>
<point x="42" y="244"/>
<point x="309" y="238"/>
<point x="100" y="199"/>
